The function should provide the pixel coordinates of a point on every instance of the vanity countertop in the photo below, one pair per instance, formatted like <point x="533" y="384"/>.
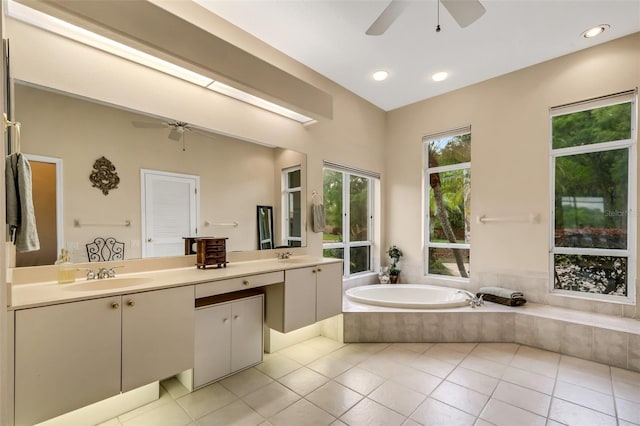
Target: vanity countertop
<point x="46" y="293"/>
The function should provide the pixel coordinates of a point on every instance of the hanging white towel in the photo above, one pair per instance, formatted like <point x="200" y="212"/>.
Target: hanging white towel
<point x="319" y="224"/>
<point x="20" y="212"/>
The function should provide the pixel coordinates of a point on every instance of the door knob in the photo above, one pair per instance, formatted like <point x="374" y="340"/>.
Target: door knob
<point x="131" y="302"/>
<point x="115" y="305"/>
<point x="149" y="240"/>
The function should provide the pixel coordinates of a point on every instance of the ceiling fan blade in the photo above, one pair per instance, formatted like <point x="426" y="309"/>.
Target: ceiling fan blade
<point x="148" y="125"/>
<point x="175" y="134"/>
<point x="465" y="12"/>
<point x="387" y="17"/>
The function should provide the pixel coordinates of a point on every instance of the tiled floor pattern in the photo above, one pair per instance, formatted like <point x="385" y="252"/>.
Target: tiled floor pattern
<point x="323" y="382"/>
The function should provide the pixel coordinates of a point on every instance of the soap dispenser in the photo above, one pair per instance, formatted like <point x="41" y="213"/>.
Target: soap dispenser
<point x="66" y="271"/>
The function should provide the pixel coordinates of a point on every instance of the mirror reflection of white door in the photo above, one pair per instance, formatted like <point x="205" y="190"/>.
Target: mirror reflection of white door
<point x="169" y="211"/>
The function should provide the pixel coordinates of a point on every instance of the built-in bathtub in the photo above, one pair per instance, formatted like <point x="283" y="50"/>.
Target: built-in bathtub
<point x="409" y="296"/>
<point x="593" y="336"/>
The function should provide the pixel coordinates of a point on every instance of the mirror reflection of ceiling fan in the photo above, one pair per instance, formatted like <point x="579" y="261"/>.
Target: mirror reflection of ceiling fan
<point x="177" y="129"/>
<point x="465" y="13"/>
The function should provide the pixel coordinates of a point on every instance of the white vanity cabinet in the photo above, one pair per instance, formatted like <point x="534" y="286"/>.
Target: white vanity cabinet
<point x="73" y="354"/>
<point x="66" y="356"/>
<point x="157" y="335"/>
<point x="228" y="338"/>
<point x="308" y="295"/>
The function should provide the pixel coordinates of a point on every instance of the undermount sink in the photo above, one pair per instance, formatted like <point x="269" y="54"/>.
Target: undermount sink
<point x="108" y="284"/>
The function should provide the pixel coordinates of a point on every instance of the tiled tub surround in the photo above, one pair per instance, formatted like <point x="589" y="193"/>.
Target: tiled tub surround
<point x="597" y="337"/>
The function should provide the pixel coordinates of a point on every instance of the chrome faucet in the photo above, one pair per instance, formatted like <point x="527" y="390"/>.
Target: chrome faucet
<point x="474" y="301"/>
<point x="284" y="255"/>
<point x="101" y="273"/>
<point x="104" y="273"/>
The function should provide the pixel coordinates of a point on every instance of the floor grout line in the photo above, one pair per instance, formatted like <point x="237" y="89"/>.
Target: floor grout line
<point x="405" y="358"/>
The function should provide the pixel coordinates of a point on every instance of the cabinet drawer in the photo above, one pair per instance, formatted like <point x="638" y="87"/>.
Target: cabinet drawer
<point x="235" y="284"/>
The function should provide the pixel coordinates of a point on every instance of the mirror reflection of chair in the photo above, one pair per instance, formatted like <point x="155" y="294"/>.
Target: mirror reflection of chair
<point x="105" y="249"/>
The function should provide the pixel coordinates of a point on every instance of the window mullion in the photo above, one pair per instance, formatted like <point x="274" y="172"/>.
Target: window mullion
<point x="346" y="199"/>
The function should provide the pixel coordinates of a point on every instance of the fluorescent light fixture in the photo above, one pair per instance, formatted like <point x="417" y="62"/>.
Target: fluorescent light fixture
<point x="380" y="75"/>
<point x="65" y="29"/>
<point x="595" y="31"/>
<point x="57" y="26"/>
<point x="440" y="76"/>
<point x="240" y="95"/>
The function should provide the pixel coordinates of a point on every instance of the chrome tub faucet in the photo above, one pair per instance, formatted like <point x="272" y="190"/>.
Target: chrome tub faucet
<point x="474" y="301"/>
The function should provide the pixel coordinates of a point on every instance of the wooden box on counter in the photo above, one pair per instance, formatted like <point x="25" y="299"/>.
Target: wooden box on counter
<point x="210" y="251"/>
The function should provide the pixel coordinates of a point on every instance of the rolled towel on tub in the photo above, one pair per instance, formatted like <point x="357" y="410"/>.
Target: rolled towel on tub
<point x="505" y="293"/>
<point x="517" y="301"/>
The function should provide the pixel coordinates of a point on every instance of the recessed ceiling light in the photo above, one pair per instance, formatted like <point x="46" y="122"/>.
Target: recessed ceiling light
<point x="595" y="31"/>
<point x="439" y="76"/>
<point x="380" y="75"/>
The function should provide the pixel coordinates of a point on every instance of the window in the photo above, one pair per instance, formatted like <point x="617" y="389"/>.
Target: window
<point x="292" y="207"/>
<point x="348" y="201"/>
<point x="447" y="203"/>
<point x="593" y="169"/>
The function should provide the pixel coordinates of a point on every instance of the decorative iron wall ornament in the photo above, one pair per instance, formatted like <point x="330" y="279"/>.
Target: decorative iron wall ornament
<point x="104" y="176"/>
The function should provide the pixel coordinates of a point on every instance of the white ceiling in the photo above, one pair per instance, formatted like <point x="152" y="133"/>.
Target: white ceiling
<point x="329" y="37"/>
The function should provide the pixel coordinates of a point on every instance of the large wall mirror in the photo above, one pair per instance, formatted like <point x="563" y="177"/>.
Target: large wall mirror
<point x="234" y="175"/>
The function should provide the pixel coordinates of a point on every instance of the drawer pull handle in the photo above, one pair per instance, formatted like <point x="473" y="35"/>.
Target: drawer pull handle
<point x="313" y="270"/>
<point x="235" y="317"/>
<point x="131" y="302"/>
<point x="115" y="305"/>
<point x="224" y="320"/>
<point x="245" y="282"/>
<point x="319" y="269"/>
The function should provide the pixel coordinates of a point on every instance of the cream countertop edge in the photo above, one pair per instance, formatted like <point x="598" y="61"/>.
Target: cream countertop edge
<point x="32" y="274"/>
<point x="30" y="295"/>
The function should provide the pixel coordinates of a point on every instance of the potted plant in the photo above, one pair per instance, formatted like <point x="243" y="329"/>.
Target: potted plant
<point x="394" y="253"/>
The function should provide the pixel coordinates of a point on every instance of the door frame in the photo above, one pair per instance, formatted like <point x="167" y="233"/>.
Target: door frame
<point x="143" y="209"/>
<point x="59" y="197"/>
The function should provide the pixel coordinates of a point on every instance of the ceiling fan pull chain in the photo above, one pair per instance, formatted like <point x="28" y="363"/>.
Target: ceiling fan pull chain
<point x="438" y="14"/>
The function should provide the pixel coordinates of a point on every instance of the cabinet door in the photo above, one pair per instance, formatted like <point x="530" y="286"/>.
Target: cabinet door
<point x="299" y="298"/>
<point x="157" y="335"/>
<point x="212" y="344"/>
<point x="66" y="356"/>
<point x="328" y="290"/>
<point x="246" y="332"/>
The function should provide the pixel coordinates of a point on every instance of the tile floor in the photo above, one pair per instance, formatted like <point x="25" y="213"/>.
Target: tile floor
<point x="323" y="382"/>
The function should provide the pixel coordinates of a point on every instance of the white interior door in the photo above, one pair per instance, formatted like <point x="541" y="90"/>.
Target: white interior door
<point x="169" y="212"/>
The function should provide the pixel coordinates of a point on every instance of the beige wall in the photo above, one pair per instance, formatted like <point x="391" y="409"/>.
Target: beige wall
<point x="509" y="116"/>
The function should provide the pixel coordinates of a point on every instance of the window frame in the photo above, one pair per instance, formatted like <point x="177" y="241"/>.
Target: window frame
<point x="286" y="197"/>
<point x="426" y="173"/>
<point x="630" y="144"/>
<point x="347" y="244"/>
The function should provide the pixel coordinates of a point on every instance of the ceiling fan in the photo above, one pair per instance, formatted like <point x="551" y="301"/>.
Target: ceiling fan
<point x="177" y="129"/>
<point x="465" y="13"/>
